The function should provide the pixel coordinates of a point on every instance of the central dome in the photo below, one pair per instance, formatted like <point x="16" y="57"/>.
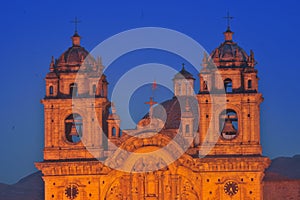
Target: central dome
<point x="174" y="110"/>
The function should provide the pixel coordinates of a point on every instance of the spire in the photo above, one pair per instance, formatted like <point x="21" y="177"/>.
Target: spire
<point x="76" y="37"/>
<point x="205" y="60"/>
<point x="228" y="18"/>
<point x="228" y="33"/>
<point x="52" y="63"/>
<point x="113" y="115"/>
<point x="251" y="59"/>
<point x="183" y="66"/>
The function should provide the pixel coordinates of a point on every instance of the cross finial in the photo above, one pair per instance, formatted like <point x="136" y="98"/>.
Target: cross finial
<point x="76" y="22"/>
<point x="183" y="65"/>
<point x="228" y="18"/>
<point x="151" y="103"/>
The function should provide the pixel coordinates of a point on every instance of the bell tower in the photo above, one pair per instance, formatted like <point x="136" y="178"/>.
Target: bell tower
<point x="75" y="105"/>
<point x="230" y="134"/>
<point x="230" y="71"/>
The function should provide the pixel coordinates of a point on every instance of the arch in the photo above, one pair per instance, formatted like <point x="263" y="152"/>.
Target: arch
<point x="179" y="90"/>
<point x="228" y="124"/>
<point x="137" y="186"/>
<point x="154" y="145"/>
<point x="187" y="128"/>
<point x="249" y="84"/>
<point x="205" y="85"/>
<point x="73" y="89"/>
<point x="94" y="89"/>
<point x="228" y="85"/>
<point x="73" y="128"/>
<point x="51" y="90"/>
<point x="113" y="132"/>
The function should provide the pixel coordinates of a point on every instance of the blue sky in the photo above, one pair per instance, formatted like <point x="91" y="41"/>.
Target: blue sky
<point x="33" y="31"/>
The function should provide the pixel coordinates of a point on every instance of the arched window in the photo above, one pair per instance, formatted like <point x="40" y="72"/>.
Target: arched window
<point x="51" y="90"/>
<point x="249" y="84"/>
<point x="228" y="124"/>
<point x="114" y="132"/>
<point x="204" y="85"/>
<point x="178" y="89"/>
<point x="187" y="88"/>
<point x="73" y="89"/>
<point x="94" y="89"/>
<point x="73" y="128"/>
<point x="228" y="85"/>
<point x="187" y="128"/>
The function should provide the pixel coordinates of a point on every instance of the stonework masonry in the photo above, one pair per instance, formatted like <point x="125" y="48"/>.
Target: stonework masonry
<point x="232" y="168"/>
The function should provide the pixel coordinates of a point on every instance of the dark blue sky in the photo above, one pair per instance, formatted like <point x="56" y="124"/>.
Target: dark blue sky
<point x="33" y="31"/>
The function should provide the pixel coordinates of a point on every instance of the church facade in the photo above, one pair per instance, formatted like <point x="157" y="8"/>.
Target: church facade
<point x="213" y="152"/>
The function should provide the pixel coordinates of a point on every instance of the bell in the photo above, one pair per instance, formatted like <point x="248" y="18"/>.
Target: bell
<point x="228" y="128"/>
<point x="74" y="131"/>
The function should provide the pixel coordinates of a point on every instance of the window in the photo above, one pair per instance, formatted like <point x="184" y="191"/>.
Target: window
<point x="94" y="89"/>
<point x="178" y="89"/>
<point x="113" y="131"/>
<point x="51" y="90"/>
<point x="73" y="128"/>
<point x="73" y="89"/>
<point x="228" y="85"/>
<point x="187" y="128"/>
<point x="204" y="85"/>
<point x="187" y="88"/>
<point x="249" y="84"/>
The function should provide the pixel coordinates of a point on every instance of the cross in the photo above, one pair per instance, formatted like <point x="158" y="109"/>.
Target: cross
<point x="183" y="65"/>
<point x="228" y="17"/>
<point x="76" y="22"/>
<point x="151" y="103"/>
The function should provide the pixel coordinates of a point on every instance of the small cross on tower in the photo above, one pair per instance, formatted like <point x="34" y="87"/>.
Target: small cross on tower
<point x="151" y="103"/>
<point x="76" y="22"/>
<point x="228" y="18"/>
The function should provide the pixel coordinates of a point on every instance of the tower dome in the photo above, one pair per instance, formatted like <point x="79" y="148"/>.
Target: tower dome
<point x="230" y="54"/>
<point x="74" y="56"/>
<point x="184" y="74"/>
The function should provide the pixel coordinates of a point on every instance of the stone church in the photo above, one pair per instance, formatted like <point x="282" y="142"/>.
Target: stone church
<point x="195" y="150"/>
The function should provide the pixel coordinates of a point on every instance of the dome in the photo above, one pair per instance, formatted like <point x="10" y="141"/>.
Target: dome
<point x="229" y="53"/>
<point x="75" y="55"/>
<point x="174" y="109"/>
<point x="183" y="74"/>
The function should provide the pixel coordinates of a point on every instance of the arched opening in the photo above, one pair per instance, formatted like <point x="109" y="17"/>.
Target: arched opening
<point x="51" y="90"/>
<point x="113" y="132"/>
<point x="228" y="124"/>
<point x="205" y="85"/>
<point x="73" y="128"/>
<point x="94" y="89"/>
<point x="249" y="84"/>
<point x="73" y="89"/>
<point x="187" y="88"/>
<point x="178" y="89"/>
<point x="228" y="85"/>
<point x="187" y="128"/>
